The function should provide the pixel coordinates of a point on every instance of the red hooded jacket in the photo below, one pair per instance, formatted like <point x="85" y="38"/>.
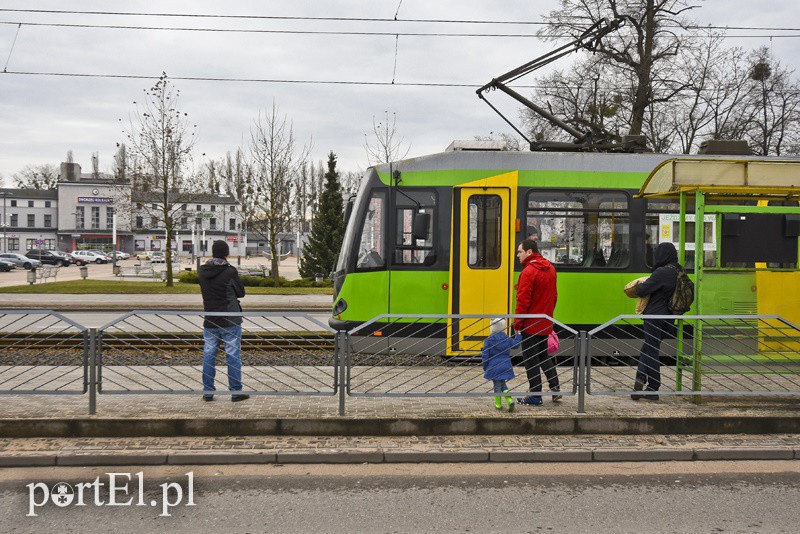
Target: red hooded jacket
<point x="536" y="294"/>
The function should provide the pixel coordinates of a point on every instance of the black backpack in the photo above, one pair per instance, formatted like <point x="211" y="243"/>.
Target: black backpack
<point x="683" y="296"/>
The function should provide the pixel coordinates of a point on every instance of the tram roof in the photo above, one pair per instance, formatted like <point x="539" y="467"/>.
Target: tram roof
<point x="751" y="178"/>
<point x="559" y="161"/>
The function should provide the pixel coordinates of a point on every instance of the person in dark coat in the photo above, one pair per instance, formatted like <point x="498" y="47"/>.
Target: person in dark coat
<point x="659" y="287"/>
<point x="536" y="294"/>
<point x="496" y="359"/>
<point x="221" y="289"/>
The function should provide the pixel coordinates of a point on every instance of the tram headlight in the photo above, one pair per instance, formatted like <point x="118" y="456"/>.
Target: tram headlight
<point x="339" y="307"/>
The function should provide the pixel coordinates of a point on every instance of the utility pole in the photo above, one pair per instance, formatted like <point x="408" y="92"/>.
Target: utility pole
<point x="5" y="226"/>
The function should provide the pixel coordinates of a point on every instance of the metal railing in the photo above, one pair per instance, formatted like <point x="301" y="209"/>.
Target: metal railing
<point x="42" y="352"/>
<point x="694" y="355"/>
<point x="162" y="352"/>
<point x="399" y="355"/>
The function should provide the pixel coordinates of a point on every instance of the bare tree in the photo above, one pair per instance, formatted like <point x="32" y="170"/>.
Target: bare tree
<point x="350" y="182"/>
<point x="160" y="141"/>
<point x="120" y="169"/>
<point x="36" y="177"/>
<point x="641" y="48"/>
<point x="239" y="181"/>
<point x="277" y="159"/>
<point x="590" y="96"/>
<point x="777" y="99"/>
<point x="385" y="145"/>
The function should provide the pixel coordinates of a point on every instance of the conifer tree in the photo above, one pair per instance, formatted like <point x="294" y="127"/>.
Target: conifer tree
<point x="327" y="227"/>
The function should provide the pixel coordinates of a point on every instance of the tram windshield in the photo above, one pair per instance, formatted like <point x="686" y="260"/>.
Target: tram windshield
<point x="352" y="223"/>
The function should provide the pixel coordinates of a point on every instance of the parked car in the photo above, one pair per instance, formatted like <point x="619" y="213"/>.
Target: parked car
<point x="143" y="255"/>
<point x="48" y="257"/>
<point x="64" y="256"/>
<point x="90" y="256"/>
<point x="158" y="257"/>
<point x="108" y="255"/>
<point x="120" y="255"/>
<point x="19" y="260"/>
<point x="6" y="266"/>
<point x="78" y="260"/>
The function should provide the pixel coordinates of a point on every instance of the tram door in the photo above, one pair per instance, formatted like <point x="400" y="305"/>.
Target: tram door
<point x="481" y="263"/>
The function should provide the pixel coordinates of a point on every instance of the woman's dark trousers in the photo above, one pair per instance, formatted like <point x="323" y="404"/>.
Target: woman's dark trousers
<point x="649" y="370"/>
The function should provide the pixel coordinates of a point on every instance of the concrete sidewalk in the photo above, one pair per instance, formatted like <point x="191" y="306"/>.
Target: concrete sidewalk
<point x="339" y="450"/>
<point x="128" y="302"/>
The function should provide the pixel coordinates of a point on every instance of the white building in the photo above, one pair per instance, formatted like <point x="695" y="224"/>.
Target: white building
<point x="86" y="209"/>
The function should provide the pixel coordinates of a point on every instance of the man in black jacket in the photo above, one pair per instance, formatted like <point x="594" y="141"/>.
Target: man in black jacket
<point x="660" y="287"/>
<point x="221" y="288"/>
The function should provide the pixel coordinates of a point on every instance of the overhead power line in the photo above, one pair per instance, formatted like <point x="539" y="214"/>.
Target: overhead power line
<point x="250" y="80"/>
<point x="277" y="80"/>
<point x="357" y="19"/>
<point x="321" y="32"/>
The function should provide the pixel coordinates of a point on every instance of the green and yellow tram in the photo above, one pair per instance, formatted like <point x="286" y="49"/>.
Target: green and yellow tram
<point x="437" y="235"/>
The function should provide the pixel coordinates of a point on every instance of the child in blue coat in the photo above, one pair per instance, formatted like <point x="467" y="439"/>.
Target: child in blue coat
<point x="496" y="358"/>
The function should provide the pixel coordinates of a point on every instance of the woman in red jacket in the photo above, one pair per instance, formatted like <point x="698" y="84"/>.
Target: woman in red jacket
<point x="536" y="294"/>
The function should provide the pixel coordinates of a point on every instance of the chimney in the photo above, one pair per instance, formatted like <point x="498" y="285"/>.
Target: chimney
<point x="70" y="172"/>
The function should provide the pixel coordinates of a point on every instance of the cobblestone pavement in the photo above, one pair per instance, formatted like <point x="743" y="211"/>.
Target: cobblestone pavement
<point x="149" y="406"/>
<point x="19" y="446"/>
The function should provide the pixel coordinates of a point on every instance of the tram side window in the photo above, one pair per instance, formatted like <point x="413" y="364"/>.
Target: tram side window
<point x="371" y="243"/>
<point x="581" y="228"/>
<point x="414" y="219"/>
<point x="662" y="224"/>
<point x="484" y="228"/>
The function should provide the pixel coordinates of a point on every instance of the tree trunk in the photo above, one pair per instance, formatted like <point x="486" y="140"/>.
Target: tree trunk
<point x="642" y="97"/>
<point x="168" y="255"/>
<point x="273" y="248"/>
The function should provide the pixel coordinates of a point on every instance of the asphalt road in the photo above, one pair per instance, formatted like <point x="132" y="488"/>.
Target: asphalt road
<point x="667" y="497"/>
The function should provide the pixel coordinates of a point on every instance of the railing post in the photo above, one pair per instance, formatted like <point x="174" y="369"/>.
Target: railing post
<point x="340" y="356"/>
<point x="92" y="371"/>
<point x="583" y="351"/>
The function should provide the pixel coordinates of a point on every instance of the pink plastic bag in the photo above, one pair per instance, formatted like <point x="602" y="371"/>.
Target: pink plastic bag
<point x="553" y="343"/>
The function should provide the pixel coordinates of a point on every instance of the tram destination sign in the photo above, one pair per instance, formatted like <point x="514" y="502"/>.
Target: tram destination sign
<point x="96" y="200"/>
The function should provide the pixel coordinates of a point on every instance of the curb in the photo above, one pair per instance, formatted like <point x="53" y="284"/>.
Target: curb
<point x="379" y="456"/>
<point x="444" y="426"/>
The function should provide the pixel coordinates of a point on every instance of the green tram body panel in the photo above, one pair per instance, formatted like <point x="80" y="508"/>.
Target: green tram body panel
<point x="527" y="178"/>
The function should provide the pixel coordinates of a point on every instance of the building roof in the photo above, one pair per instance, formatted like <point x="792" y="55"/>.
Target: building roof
<point x="184" y="197"/>
<point x="28" y="194"/>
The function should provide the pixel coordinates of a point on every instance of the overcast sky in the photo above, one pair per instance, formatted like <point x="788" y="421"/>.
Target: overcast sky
<point x="42" y="117"/>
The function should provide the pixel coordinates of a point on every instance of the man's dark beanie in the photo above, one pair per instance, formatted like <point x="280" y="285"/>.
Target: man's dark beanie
<point x="220" y="249"/>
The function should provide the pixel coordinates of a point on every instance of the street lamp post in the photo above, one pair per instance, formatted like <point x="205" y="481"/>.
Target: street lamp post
<point x="114" y="242"/>
<point x="5" y="226"/>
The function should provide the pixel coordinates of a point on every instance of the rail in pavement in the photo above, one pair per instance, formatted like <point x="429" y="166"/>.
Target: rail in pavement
<point x="419" y="449"/>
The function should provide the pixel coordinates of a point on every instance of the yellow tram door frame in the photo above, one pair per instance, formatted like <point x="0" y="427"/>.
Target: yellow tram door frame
<point x="482" y="256"/>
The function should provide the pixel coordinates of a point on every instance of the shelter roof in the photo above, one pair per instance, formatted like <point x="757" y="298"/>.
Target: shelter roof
<point x="732" y="178"/>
